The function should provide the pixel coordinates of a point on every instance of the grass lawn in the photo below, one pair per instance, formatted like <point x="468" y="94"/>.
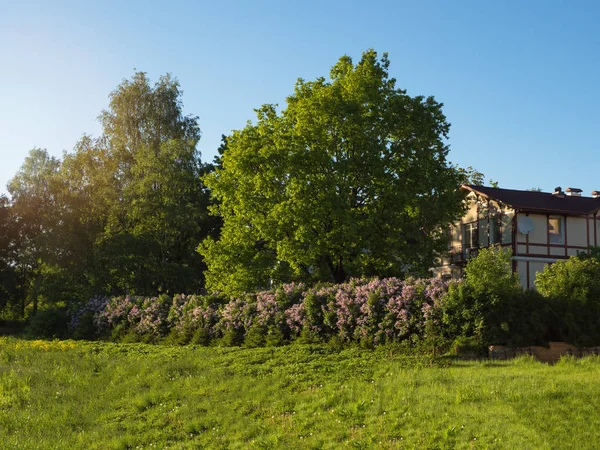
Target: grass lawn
<point x="66" y="394"/>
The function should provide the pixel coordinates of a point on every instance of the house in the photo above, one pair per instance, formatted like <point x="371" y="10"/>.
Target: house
<point x="539" y="227"/>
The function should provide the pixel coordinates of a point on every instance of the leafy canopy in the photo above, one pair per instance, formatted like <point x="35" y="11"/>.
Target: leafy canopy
<point x="122" y="213"/>
<point x="490" y="275"/>
<point x="574" y="280"/>
<point x="350" y="179"/>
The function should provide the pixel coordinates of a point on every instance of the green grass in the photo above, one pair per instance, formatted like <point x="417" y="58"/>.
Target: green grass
<point x="66" y="394"/>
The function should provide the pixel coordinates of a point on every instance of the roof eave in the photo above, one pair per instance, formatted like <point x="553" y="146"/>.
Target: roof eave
<point x="529" y="209"/>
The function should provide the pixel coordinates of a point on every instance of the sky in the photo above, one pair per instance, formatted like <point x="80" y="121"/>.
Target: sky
<point x="518" y="79"/>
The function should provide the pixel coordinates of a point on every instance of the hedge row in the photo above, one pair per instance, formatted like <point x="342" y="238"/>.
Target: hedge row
<point x="487" y="307"/>
<point x="368" y="311"/>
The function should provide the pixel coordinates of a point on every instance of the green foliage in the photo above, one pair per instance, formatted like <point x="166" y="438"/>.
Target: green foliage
<point x="232" y="338"/>
<point x="464" y="345"/>
<point x="572" y="289"/>
<point x="573" y="280"/>
<point x="350" y="179"/>
<point x="32" y="216"/>
<point x="122" y="213"/>
<point x="574" y="322"/>
<point x="11" y="273"/>
<point x="256" y="336"/>
<point x="86" y="329"/>
<point x="200" y="337"/>
<point x="48" y="323"/>
<point x="489" y="307"/>
<point x="490" y="274"/>
<point x="592" y="252"/>
<point x="160" y="213"/>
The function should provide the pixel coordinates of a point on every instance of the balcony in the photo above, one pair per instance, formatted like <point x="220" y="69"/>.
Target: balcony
<point x="460" y="255"/>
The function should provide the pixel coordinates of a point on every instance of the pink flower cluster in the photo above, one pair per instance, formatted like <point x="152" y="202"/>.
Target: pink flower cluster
<point x="95" y="306"/>
<point x="373" y="311"/>
<point x="191" y="312"/>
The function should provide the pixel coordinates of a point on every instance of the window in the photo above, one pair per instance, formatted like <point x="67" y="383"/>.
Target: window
<point x="483" y="233"/>
<point x="449" y="236"/>
<point x="556" y="231"/>
<point x="495" y="230"/>
<point x="470" y="235"/>
<point x="507" y="228"/>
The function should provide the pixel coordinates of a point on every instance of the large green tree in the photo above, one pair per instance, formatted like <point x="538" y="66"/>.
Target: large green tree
<point x="148" y="191"/>
<point x="122" y="213"/>
<point x="160" y="211"/>
<point x="34" y="209"/>
<point x="10" y="273"/>
<point x="350" y="179"/>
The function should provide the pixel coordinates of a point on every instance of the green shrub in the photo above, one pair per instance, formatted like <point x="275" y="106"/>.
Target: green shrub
<point x="86" y="329"/>
<point x="232" y="338"/>
<point x="574" y="322"/>
<point x="463" y="345"/>
<point x="490" y="275"/>
<point x="571" y="288"/>
<point x="573" y="280"/>
<point x="255" y="336"/>
<point x="201" y="337"/>
<point x="490" y="307"/>
<point x="275" y="338"/>
<point x="118" y="333"/>
<point x="48" y="323"/>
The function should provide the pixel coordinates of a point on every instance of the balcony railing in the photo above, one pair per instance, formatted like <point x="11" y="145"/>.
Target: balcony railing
<point x="460" y="254"/>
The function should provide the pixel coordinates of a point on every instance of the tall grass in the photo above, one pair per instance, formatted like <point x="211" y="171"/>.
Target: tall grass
<point x="65" y="394"/>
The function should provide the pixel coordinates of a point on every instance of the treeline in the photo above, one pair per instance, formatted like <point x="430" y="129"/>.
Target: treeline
<point x="122" y="213"/>
<point x="349" y="180"/>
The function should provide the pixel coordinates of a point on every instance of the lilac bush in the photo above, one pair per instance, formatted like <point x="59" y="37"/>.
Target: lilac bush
<point x="295" y="319"/>
<point x="290" y="294"/>
<point x="190" y="313"/>
<point x="187" y="319"/>
<point x="95" y="306"/>
<point x="371" y="311"/>
<point x="236" y="316"/>
<point x="349" y="300"/>
<point x="435" y="293"/>
<point x="119" y="311"/>
<point x="374" y="299"/>
<point x="151" y="317"/>
<point x="320" y="311"/>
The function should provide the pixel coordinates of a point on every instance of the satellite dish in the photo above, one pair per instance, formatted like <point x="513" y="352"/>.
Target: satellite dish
<point x="525" y="225"/>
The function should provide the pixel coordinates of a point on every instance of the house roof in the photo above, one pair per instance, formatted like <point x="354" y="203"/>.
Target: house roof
<point x="538" y="201"/>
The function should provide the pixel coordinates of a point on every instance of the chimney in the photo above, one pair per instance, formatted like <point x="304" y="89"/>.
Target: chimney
<point x="574" y="192"/>
<point x="558" y="192"/>
<point x="596" y="194"/>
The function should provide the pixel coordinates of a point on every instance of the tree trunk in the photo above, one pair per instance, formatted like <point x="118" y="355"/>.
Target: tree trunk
<point x="337" y="271"/>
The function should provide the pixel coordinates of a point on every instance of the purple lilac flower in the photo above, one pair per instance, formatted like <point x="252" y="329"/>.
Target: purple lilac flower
<point x="95" y="305"/>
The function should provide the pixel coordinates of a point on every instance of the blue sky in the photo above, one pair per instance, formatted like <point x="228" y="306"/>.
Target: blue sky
<point x="519" y="80"/>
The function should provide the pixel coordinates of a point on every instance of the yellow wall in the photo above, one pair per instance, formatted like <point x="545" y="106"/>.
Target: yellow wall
<point x="597" y="231"/>
<point x="534" y="268"/>
<point x="576" y="235"/>
<point x="471" y="214"/>
<point x="522" y="271"/>
<point x="576" y="231"/>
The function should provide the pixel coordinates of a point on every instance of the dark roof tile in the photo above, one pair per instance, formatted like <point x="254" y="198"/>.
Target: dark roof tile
<point x="538" y="201"/>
